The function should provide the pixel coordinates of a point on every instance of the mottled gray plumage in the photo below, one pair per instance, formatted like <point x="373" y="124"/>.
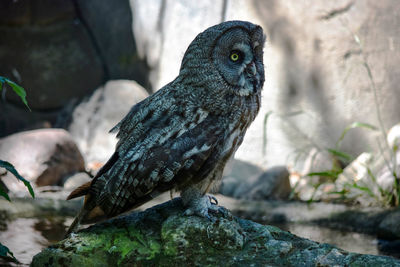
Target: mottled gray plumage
<point x="182" y="136"/>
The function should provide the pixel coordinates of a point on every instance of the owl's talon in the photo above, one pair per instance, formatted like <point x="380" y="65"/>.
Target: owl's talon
<point x="212" y="198"/>
<point x="203" y="207"/>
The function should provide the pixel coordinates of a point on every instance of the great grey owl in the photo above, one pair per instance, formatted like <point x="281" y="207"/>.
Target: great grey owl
<point x="181" y="137"/>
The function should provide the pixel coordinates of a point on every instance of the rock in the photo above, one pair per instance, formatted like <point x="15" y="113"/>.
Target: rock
<point x="93" y="119"/>
<point x="356" y="171"/>
<point x="393" y="137"/>
<point x="389" y="228"/>
<point x="317" y="161"/>
<point x="390" y="248"/>
<point x="60" y="55"/>
<point x="76" y="180"/>
<point x="43" y="157"/>
<point x="310" y="89"/>
<point x="385" y="179"/>
<point x="114" y="39"/>
<point x="162" y="236"/>
<point x="23" y="12"/>
<point x="272" y="184"/>
<point x="243" y="180"/>
<point x="71" y="50"/>
<point x="238" y="175"/>
<point x="163" y="39"/>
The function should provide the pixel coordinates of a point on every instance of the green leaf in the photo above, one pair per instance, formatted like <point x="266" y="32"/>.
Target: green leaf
<point x="19" y="91"/>
<point x="3" y="193"/>
<point x="363" y="188"/>
<point x="340" y="154"/>
<point x="9" y="167"/>
<point x="341" y="192"/>
<point x="353" y="126"/>
<point x="264" y="148"/>
<point x="7" y="254"/>
<point x="333" y="174"/>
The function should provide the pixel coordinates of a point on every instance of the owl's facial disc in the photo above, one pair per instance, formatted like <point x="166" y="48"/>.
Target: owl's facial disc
<point x="238" y="57"/>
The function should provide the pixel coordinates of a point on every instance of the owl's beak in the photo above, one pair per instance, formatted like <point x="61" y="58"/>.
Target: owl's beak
<point x="251" y="68"/>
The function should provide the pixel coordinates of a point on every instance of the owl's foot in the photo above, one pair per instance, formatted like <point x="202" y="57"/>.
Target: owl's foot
<point x="203" y="206"/>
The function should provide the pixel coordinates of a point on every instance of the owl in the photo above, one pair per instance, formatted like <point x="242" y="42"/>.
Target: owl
<point x="181" y="137"/>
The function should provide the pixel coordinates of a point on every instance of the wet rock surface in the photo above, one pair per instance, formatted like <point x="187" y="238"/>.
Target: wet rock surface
<point x="162" y="236"/>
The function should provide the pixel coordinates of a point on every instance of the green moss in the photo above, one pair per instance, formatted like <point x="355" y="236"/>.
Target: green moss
<point x="161" y="236"/>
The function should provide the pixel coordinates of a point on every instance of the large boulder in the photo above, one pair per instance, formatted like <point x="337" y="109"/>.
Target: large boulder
<point x="114" y="38"/>
<point x="52" y="56"/>
<point x="43" y="157"/>
<point x="246" y="181"/>
<point x="163" y="236"/>
<point x="61" y="51"/>
<point x="316" y="80"/>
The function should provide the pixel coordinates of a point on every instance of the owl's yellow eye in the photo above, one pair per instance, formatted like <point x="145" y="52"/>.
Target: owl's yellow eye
<point x="235" y="56"/>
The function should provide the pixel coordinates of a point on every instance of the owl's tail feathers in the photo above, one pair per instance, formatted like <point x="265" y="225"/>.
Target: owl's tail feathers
<point x="80" y="191"/>
<point x="89" y="212"/>
<point x="77" y="222"/>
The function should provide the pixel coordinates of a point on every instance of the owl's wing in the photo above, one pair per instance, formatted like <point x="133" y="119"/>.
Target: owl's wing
<point x="143" y="117"/>
<point x="158" y="157"/>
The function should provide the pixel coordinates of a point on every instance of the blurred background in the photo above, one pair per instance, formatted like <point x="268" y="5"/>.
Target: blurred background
<point x="326" y="138"/>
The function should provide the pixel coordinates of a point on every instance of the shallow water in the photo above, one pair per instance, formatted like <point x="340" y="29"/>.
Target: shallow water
<point x="350" y="241"/>
<point x="26" y="237"/>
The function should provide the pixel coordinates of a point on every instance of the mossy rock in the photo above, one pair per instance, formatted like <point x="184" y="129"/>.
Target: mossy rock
<point x="162" y="236"/>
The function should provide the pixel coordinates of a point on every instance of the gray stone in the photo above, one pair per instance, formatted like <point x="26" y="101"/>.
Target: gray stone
<point x="162" y="236"/>
<point x="43" y="157"/>
<point x="114" y="38"/>
<point x="76" y="180"/>
<point x="314" y="73"/>
<point x="243" y="180"/>
<point x="393" y="137"/>
<point x="272" y="184"/>
<point x="162" y="39"/>
<point x="37" y="12"/>
<point x="318" y="83"/>
<point x="58" y="63"/>
<point x="71" y="50"/>
<point x="385" y="179"/>
<point x="389" y="228"/>
<point x="93" y="119"/>
<point x="238" y="177"/>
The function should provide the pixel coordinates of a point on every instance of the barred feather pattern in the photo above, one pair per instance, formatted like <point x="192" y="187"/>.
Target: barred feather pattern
<point x="183" y="135"/>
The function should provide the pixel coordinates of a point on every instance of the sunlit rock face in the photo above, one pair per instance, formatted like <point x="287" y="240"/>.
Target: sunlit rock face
<point x="316" y="80"/>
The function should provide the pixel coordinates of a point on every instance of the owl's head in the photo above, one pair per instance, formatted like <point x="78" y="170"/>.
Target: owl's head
<point x="230" y="53"/>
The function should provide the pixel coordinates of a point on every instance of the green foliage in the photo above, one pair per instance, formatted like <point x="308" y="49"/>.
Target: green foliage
<point x="16" y="88"/>
<point x="340" y="154"/>
<point x="354" y="125"/>
<point x="329" y="173"/>
<point x="9" y="167"/>
<point x="5" y="253"/>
